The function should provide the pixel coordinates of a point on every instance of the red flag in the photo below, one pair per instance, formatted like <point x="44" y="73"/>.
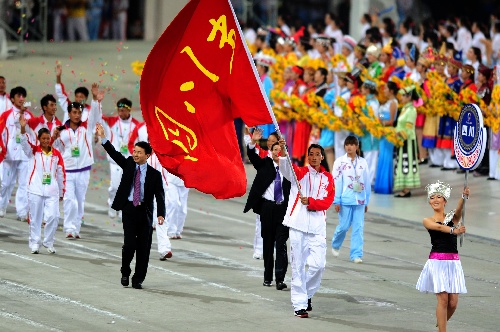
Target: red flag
<point x="198" y="78"/>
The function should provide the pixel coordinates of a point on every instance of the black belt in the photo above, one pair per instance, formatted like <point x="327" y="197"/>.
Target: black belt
<point x="274" y="202"/>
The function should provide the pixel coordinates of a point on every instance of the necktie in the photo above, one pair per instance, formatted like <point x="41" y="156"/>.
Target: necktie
<point x="137" y="187"/>
<point x="278" y="196"/>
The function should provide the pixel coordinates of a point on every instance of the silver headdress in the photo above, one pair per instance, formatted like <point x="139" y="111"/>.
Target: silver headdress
<point x="439" y="187"/>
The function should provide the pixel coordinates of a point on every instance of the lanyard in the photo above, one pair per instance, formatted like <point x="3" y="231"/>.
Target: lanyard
<point x="354" y="166"/>
<point x="43" y="163"/>
<point x="311" y="185"/>
<point x="121" y="132"/>
<point x="77" y="135"/>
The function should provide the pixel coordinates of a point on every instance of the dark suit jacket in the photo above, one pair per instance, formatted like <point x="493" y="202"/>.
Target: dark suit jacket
<point x="266" y="173"/>
<point x="153" y="184"/>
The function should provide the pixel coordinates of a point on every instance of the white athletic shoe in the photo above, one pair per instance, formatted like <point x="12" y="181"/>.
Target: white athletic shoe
<point x="2" y="213"/>
<point x="35" y="250"/>
<point x="51" y="250"/>
<point x="335" y="252"/>
<point x="257" y="256"/>
<point x="111" y="213"/>
<point x="357" y="260"/>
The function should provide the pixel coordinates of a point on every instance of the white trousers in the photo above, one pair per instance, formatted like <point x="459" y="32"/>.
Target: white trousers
<point x="176" y="209"/>
<point x="339" y="140"/>
<point x="43" y="208"/>
<point x="164" y="245"/>
<point x="258" y="245"/>
<point x="447" y="161"/>
<point x="116" y="173"/>
<point x="494" y="164"/>
<point x="305" y="249"/>
<point x="372" y="160"/>
<point x="74" y="200"/>
<point x="78" y="25"/>
<point x="436" y="156"/>
<point x="15" y="170"/>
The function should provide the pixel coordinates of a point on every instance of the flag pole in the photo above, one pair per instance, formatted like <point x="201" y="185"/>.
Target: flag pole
<point x="268" y="104"/>
<point x="463" y="209"/>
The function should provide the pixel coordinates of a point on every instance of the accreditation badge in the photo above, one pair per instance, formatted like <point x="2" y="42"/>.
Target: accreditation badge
<point x="18" y="138"/>
<point x="356" y="186"/>
<point x="124" y="148"/>
<point x="46" y="178"/>
<point x="75" y="151"/>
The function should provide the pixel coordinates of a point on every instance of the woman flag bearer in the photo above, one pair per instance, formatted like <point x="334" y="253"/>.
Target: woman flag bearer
<point x="306" y="218"/>
<point x="47" y="179"/>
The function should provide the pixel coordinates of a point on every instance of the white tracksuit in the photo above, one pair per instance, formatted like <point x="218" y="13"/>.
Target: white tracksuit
<point x="119" y="132"/>
<point x="62" y="98"/>
<point x="164" y="245"/>
<point x="307" y="228"/>
<point x="5" y="105"/>
<point x="46" y="183"/>
<point x="76" y="149"/>
<point x="177" y="196"/>
<point x="15" y="164"/>
<point x="39" y="122"/>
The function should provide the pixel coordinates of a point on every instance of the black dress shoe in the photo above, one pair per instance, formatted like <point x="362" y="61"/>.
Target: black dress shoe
<point x="137" y="285"/>
<point x="491" y="179"/>
<point x="124" y="281"/>
<point x="266" y="283"/>
<point x="434" y="166"/>
<point x="447" y="169"/>
<point x="281" y="285"/>
<point x="423" y="161"/>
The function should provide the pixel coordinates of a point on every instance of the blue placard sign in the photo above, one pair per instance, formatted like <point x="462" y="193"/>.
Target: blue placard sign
<point x="470" y="137"/>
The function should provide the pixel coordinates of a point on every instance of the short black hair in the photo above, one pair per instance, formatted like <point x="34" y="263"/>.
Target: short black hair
<point x="45" y="100"/>
<point x="2" y="77"/>
<point x="43" y="131"/>
<point x="83" y="90"/>
<point x="392" y="86"/>
<point x="124" y="102"/>
<point x="145" y="145"/>
<point x="18" y="90"/>
<point x="74" y="105"/>
<point x="274" y="144"/>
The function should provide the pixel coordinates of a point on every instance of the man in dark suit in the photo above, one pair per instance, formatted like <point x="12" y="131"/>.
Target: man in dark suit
<point x="268" y="197"/>
<point x="140" y="183"/>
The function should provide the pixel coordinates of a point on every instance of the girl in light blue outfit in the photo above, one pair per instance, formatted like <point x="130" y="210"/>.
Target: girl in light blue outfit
<point x="352" y="195"/>
<point x="384" y="179"/>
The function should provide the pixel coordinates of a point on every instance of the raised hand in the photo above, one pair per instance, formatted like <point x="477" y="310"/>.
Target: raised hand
<point x="58" y="70"/>
<point x="100" y="130"/>
<point x="257" y="135"/>
<point x="95" y="90"/>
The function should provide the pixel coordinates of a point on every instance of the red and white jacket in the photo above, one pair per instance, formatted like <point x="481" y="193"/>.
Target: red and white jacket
<point x="140" y="133"/>
<point x="81" y="138"/>
<point x="10" y="129"/>
<point x="119" y="132"/>
<point x="5" y="103"/>
<point x="63" y="99"/>
<point x="41" y="163"/>
<point x="39" y="122"/>
<point x="318" y="187"/>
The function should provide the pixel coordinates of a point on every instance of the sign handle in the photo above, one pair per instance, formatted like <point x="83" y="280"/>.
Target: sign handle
<point x="463" y="209"/>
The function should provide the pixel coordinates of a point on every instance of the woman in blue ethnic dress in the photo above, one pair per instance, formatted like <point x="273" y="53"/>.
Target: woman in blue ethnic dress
<point x="384" y="179"/>
<point x="442" y="273"/>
